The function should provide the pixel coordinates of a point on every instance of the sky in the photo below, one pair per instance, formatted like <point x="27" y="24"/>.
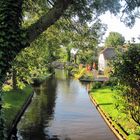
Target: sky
<point x="115" y="25"/>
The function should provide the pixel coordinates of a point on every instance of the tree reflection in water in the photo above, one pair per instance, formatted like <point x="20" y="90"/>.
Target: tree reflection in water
<point x="65" y="116"/>
<point x="39" y="113"/>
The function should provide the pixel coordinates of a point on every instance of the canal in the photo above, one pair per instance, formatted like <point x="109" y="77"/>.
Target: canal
<point x="61" y="110"/>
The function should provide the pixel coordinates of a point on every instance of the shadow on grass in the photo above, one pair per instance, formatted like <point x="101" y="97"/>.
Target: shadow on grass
<point x="102" y="104"/>
<point x="100" y="91"/>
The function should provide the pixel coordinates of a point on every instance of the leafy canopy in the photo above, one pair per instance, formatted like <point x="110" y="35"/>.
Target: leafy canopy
<point x="87" y="10"/>
<point x="114" y="39"/>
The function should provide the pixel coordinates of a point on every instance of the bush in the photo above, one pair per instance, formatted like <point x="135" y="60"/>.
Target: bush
<point x="107" y="71"/>
<point x="110" y="82"/>
<point x="126" y="70"/>
<point x="96" y="85"/>
<point x="79" y="73"/>
<point x="87" y="75"/>
<point x="7" y="87"/>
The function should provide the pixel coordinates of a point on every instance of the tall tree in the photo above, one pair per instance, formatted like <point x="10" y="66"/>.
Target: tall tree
<point x="13" y="37"/>
<point x="48" y="14"/>
<point x="114" y="39"/>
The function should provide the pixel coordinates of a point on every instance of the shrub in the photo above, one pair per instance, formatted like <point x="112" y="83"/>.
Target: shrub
<point x="79" y="73"/>
<point x="110" y="82"/>
<point x="107" y="71"/>
<point x="6" y="87"/>
<point x="126" y="71"/>
<point x="96" y="85"/>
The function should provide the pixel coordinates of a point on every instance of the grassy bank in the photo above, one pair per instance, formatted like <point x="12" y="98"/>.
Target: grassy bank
<point x="13" y="102"/>
<point x="105" y="98"/>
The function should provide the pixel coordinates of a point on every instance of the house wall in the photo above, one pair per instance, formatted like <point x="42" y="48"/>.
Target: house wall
<point x="101" y="62"/>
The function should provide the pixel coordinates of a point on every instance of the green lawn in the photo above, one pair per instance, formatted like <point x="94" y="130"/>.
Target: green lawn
<point x="13" y="101"/>
<point x="105" y="97"/>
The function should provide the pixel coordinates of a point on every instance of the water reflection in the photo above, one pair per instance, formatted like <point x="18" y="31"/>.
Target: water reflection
<point x="40" y="112"/>
<point x="61" y="110"/>
<point x="88" y="85"/>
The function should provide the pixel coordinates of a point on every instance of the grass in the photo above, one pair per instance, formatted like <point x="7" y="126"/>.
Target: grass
<point x="13" y="101"/>
<point x="105" y="98"/>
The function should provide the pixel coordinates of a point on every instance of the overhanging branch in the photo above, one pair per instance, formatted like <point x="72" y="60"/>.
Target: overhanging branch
<point x="47" y="20"/>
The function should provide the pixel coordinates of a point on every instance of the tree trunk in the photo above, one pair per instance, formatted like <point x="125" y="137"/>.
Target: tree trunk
<point x="47" y="19"/>
<point x="68" y="55"/>
<point x="11" y="40"/>
<point x="75" y="58"/>
<point x="10" y="43"/>
<point x="14" y="80"/>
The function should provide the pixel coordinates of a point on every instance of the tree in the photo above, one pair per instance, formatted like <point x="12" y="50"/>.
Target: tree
<point x="48" y="14"/>
<point x="14" y="38"/>
<point x="88" y="40"/>
<point x="126" y="70"/>
<point x="15" y="35"/>
<point x="34" y="61"/>
<point x="114" y="40"/>
<point x="30" y="63"/>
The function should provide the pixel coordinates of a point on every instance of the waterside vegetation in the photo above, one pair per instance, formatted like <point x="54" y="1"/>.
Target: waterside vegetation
<point x="106" y="99"/>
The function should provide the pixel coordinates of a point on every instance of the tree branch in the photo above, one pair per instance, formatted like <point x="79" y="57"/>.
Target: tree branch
<point x="47" y="20"/>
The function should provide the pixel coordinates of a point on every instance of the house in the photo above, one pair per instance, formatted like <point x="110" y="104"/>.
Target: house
<point x="104" y="57"/>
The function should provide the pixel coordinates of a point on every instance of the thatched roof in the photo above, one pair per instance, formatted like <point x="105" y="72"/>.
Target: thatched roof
<point x="108" y="53"/>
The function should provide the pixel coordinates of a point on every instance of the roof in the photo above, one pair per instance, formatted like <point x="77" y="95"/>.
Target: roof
<point x="108" y="53"/>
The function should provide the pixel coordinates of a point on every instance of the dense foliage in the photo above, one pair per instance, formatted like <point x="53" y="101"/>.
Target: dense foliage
<point x="14" y="36"/>
<point x="10" y="42"/>
<point x="114" y="40"/>
<point x="35" y="62"/>
<point x="126" y="70"/>
<point x="122" y="121"/>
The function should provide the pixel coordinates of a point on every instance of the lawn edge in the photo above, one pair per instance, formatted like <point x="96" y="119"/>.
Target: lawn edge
<point x="108" y="121"/>
<point x="19" y="115"/>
